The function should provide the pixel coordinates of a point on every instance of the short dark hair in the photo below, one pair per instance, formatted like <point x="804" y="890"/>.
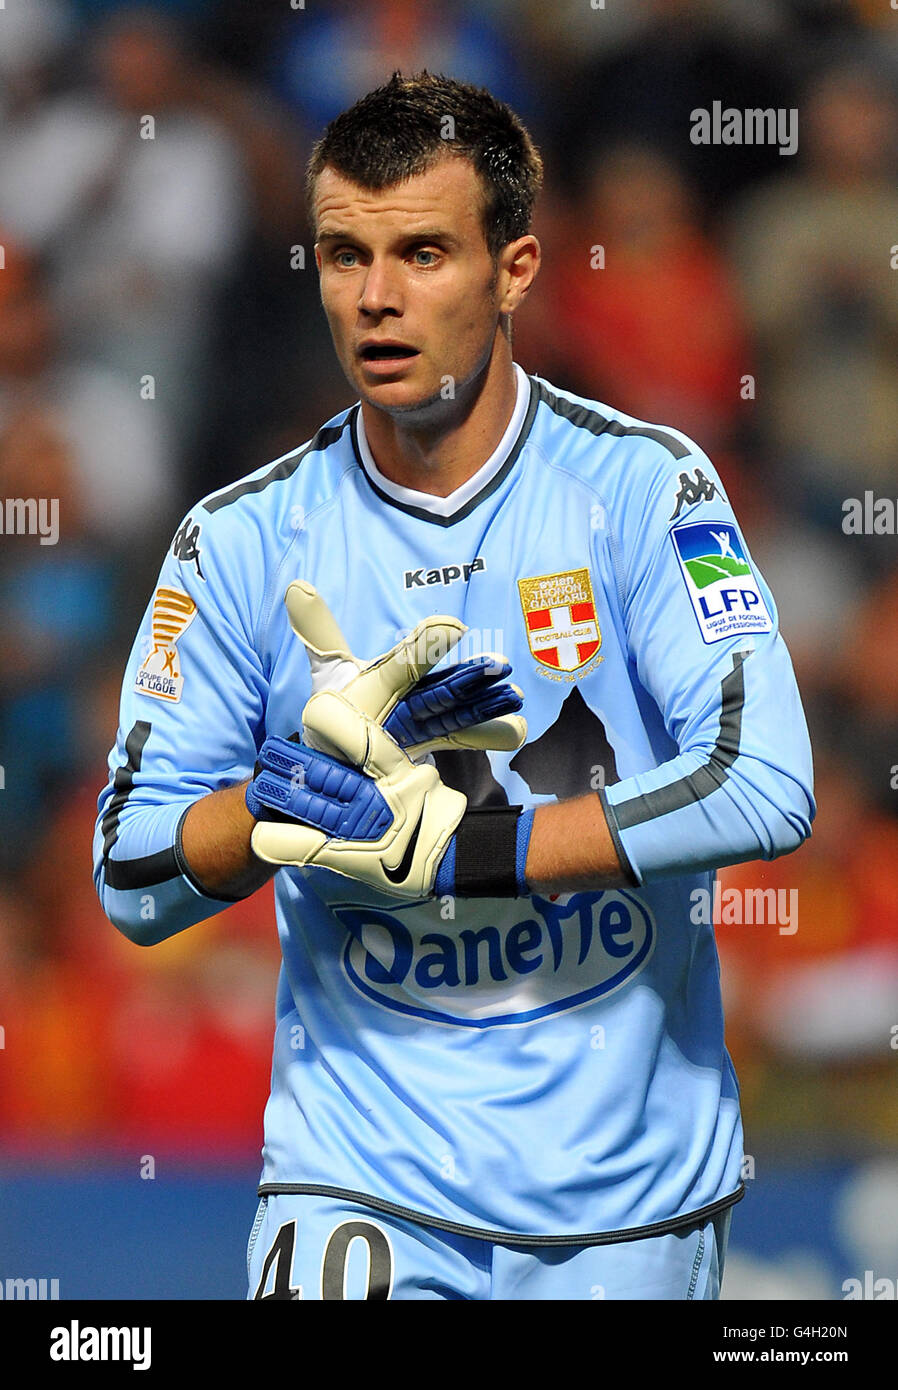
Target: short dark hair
<point x="401" y="129"/>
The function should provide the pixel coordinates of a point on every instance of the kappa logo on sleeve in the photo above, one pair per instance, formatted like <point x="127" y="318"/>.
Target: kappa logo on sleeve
<point x="698" y="489"/>
<point x="186" y="545"/>
<point x="726" y="597"/>
<point x="160" y="673"/>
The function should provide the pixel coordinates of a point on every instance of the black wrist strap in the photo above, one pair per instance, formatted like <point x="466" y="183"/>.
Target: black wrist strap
<point x="486" y="852"/>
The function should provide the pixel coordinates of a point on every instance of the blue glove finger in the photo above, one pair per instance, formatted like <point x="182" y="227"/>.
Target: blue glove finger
<point x="407" y="730"/>
<point x="503" y="700"/>
<point x="448" y="701"/>
<point x="296" y="782"/>
<point x="442" y="690"/>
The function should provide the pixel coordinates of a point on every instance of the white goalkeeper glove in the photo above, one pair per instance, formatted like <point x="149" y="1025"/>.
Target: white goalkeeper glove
<point x="469" y="705"/>
<point x="350" y="798"/>
<point x="356" y="802"/>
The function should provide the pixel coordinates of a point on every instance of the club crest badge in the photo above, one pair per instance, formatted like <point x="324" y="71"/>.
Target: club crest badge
<point x="160" y="674"/>
<point x="560" y="615"/>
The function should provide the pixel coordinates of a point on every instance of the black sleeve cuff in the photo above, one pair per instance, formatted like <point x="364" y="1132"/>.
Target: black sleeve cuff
<point x="614" y="832"/>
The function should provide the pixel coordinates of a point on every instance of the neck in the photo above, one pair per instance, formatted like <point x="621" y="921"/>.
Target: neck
<point x="439" y="447"/>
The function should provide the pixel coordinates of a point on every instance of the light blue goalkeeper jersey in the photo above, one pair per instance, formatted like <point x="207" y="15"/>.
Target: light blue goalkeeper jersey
<point x="551" y="1066"/>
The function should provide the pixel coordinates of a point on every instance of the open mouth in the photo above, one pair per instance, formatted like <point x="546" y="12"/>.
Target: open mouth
<point x="387" y="352"/>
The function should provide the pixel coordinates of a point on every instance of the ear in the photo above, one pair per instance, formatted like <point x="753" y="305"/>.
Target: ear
<point x="519" y="264"/>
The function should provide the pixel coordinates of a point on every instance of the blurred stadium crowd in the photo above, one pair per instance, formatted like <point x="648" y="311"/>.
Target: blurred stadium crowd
<point x="160" y="336"/>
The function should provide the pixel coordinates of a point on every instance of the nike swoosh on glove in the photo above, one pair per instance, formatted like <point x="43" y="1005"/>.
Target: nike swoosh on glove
<point x="362" y="807"/>
<point x="468" y="705"/>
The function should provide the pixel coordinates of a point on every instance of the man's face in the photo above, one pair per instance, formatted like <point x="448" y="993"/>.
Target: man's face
<point x="407" y="282"/>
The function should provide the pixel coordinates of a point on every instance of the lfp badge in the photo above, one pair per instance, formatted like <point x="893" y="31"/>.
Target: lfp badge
<point x="726" y="597"/>
<point x="560" y="614"/>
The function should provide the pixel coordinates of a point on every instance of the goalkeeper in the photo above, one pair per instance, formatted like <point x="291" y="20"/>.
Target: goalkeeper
<point x="492" y="715"/>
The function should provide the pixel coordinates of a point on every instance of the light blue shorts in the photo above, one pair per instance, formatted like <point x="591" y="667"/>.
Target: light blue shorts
<point x="305" y="1246"/>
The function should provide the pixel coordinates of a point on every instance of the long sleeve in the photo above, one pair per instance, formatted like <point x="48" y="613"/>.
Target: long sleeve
<point x="703" y="634"/>
<point x="193" y="703"/>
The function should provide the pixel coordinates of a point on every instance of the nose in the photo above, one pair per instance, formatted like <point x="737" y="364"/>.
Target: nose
<point x="381" y="292"/>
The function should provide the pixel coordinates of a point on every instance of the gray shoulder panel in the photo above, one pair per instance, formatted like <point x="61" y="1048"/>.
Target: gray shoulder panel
<point x="585" y="418"/>
<point x="279" y="472"/>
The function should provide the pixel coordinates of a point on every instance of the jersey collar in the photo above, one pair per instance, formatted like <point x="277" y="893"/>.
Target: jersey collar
<point x="445" y="511"/>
